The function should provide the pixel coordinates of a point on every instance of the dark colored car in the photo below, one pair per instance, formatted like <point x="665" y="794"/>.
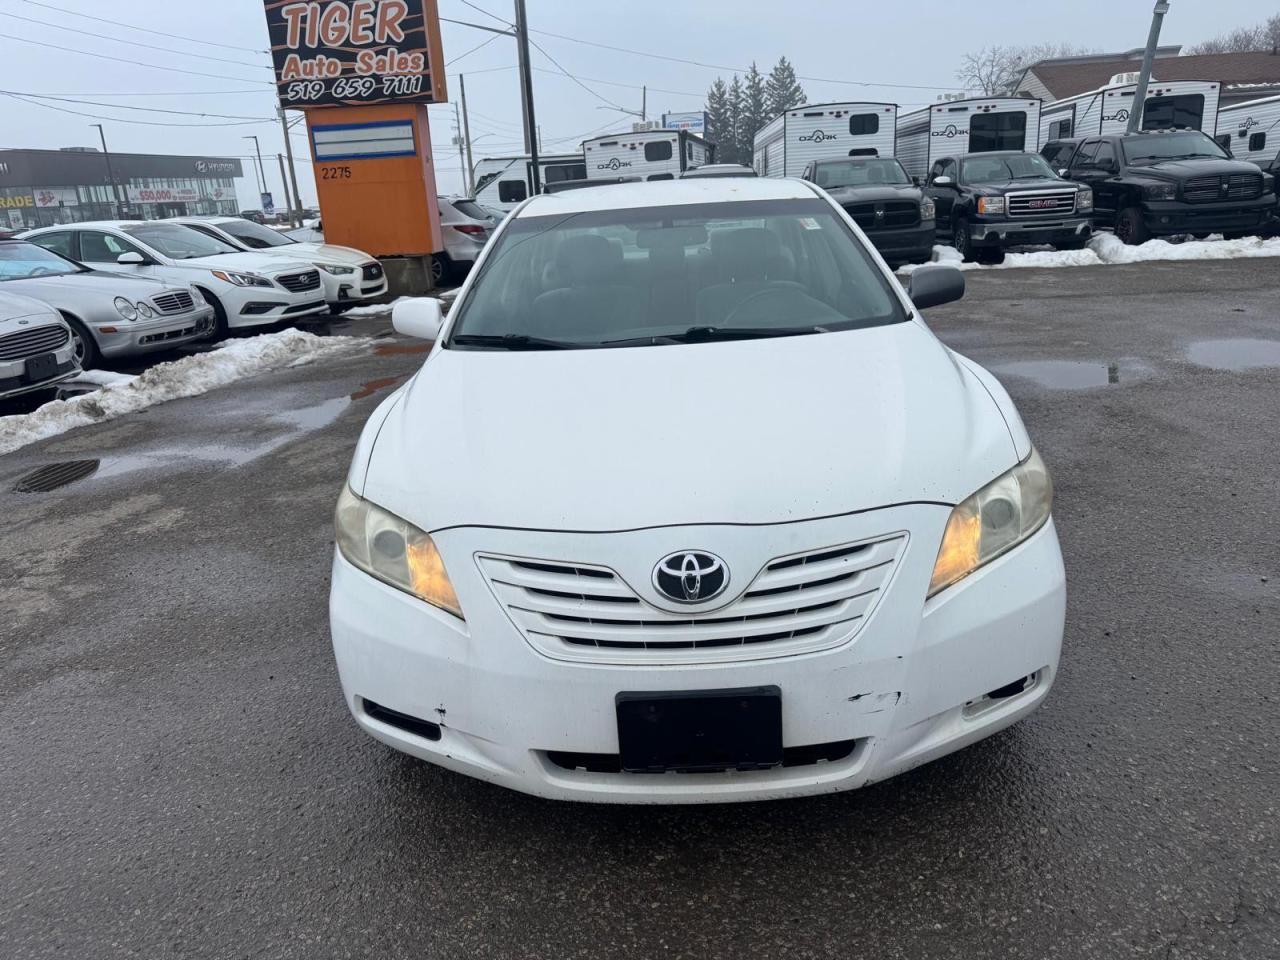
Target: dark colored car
<point x="988" y="202"/>
<point x="256" y="216"/>
<point x="892" y="211"/>
<point x="1160" y="183"/>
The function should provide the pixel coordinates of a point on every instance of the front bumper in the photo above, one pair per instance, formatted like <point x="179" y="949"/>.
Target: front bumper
<point x="267" y="308"/>
<point x="351" y="288"/>
<point x="148" y="336"/>
<point x="914" y="244"/>
<point x="1167" y="217"/>
<point x="909" y="686"/>
<point x="1018" y="233"/>
<point x="14" y="380"/>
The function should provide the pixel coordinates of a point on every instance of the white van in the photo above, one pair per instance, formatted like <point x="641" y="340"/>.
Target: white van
<point x="956" y="128"/>
<point x="789" y="142"/>
<point x="505" y="182"/>
<point x="1249" y="131"/>
<point x="1177" y="104"/>
<point x="646" y="155"/>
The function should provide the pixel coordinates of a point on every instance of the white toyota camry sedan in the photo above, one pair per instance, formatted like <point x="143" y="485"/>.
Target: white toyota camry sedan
<point x="686" y="505"/>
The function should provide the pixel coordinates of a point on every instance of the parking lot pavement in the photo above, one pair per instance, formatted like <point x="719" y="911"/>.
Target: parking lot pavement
<point x="181" y="778"/>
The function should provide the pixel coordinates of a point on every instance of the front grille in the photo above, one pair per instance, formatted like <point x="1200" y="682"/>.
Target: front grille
<point x="373" y="271"/>
<point x="1244" y="186"/>
<point x="300" y="282"/>
<point x="1041" y="203"/>
<point x="177" y="302"/>
<point x="1236" y="186"/>
<point x="796" y="604"/>
<point x="32" y="343"/>
<point x="888" y="215"/>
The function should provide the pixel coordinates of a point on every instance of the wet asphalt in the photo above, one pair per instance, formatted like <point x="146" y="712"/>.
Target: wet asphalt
<point x="179" y="776"/>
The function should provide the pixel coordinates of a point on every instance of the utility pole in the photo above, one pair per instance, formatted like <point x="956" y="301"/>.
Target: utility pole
<point x="295" y="213"/>
<point x="262" y="174"/>
<point x="115" y="187"/>
<point x="644" y="104"/>
<point x="469" y="174"/>
<point x="1148" y="58"/>
<point x="526" y="96"/>
<point x="457" y="130"/>
<point x="285" y="184"/>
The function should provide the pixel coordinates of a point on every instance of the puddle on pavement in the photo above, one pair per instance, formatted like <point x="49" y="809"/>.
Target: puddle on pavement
<point x="1068" y="374"/>
<point x="1236" y="355"/>
<point x="395" y="349"/>
<point x="373" y="386"/>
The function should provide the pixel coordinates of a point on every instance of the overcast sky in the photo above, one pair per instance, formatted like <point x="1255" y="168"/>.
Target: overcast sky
<point x="917" y="45"/>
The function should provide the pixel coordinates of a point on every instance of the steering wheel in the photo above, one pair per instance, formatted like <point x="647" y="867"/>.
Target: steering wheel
<point x="754" y="298"/>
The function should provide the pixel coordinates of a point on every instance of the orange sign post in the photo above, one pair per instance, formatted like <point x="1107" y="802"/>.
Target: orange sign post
<point x="363" y="71"/>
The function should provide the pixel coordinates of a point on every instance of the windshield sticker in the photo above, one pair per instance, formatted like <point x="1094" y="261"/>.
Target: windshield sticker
<point x="809" y="223"/>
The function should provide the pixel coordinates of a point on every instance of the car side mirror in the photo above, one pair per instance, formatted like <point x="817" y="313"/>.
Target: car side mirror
<point x="132" y="258"/>
<point x="915" y="181"/>
<point x="943" y="181"/>
<point x="1063" y="173"/>
<point x="418" y="317"/>
<point x="934" y="284"/>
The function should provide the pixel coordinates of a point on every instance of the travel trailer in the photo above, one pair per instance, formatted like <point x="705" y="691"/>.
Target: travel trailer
<point x="955" y="128"/>
<point x="1182" y="104"/>
<point x="503" y="182"/>
<point x="1251" y="131"/>
<point x="788" y="143"/>
<point x="645" y="155"/>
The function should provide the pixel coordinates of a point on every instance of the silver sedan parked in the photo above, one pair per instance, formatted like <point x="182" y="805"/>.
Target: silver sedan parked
<point x="110" y="315"/>
<point x="35" y="346"/>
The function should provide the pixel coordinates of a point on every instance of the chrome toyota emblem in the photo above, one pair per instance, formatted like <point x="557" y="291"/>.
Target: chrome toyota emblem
<point x="690" y="576"/>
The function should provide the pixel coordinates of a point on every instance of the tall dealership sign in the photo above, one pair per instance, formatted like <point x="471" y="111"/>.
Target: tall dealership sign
<point x="363" y="72"/>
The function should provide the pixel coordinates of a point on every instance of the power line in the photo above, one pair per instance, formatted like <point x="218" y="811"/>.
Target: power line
<point x="473" y="49"/>
<point x="487" y="13"/>
<point x="131" y="26"/>
<point x="145" y="123"/>
<point x="125" y="106"/>
<point x="134" y="63"/>
<point x="598" y="96"/>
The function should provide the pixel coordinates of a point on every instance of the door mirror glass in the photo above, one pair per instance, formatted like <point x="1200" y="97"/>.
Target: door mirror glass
<point x="418" y="317"/>
<point x="933" y="285"/>
<point x="131" y="259"/>
<point x="942" y="180"/>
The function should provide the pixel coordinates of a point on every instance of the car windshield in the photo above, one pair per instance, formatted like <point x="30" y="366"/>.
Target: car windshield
<point x="22" y="261"/>
<point x="254" y="235"/>
<point x="1008" y="166"/>
<point x="179" y="242"/>
<point x="675" y="274"/>
<point x="859" y="173"/>
<point x="1152" y="148"/>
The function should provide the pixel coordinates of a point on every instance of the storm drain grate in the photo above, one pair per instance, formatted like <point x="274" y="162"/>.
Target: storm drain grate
<point x="56" y="475"/>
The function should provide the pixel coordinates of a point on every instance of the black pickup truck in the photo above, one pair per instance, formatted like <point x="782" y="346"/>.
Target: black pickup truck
<point x="892" y="211"/>
<point x="987" y="202"/>
<point x="1160" y="183"/>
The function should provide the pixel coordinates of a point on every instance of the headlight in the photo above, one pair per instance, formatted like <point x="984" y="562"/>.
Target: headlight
<point x="145" y="311"/>
<point x="928" y="210"/>
<point x="125" y="308"/>
<point x="336" y="269"/>
<point x="241" y="279"/>
<point x="393" y="550"/>
<point x="1160" y="191"/>
<point x="1084" y="201"/>
<point x="991" y="206"/>
<point x="993" y="521"/>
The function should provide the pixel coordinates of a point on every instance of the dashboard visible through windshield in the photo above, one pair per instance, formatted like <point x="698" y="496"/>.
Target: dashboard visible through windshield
<point x="26" y="261"/>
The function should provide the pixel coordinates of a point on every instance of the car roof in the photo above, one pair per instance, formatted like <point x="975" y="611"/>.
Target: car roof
<point x="99" y="225"/>
<point x="666" y="193"/>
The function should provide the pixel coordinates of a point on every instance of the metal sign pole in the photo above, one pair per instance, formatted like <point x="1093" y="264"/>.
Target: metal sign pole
<point x="526" y="96"/>
<point x="1148" y="59"/>
<point x="469" y="174"/>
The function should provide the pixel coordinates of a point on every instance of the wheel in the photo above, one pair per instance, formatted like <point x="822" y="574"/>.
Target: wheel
<point x="1130" y="227"/>
<point x="220" y="326"/>
<point x="441" y="269"/>
<point x="961" y="240"/>
<point x="86" y="348"/>
<point x="990" y="255"/>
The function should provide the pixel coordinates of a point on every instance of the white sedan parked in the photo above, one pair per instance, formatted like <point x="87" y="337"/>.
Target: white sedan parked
<point x="244" y="289"/>
<point x="350" y="276"/>
<point x="35" y="346"/>
<point x="715" y="516"/>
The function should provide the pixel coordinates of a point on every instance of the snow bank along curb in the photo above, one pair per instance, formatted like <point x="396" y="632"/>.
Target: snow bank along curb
<point x="188" y="377"/>
<point x="1105" y="248"/>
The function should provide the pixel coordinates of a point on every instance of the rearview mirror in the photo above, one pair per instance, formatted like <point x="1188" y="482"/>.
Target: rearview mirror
<point x="933" y="285"/>
<point x="418" y="317"/>
<point x="943" y="181"/>
<point x="132" y="258"/>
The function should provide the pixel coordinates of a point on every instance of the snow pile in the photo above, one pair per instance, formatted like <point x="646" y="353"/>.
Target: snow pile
<point x="372" y="309"/>
<point x="1106" y="248"/>
<point x="187" y="377"/>
<point x="100" y="378"/>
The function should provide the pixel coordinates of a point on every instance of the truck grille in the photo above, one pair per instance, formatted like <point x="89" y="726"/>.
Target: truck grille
<point x="1045" y="203"/>
<point x="300" y="282"/>
<point x="32" y="343"/>
<point x="176" y="302"/>
<point x="795" y="605"/>
<point x="888" y="215"/>
<point x="1236" y="186"/>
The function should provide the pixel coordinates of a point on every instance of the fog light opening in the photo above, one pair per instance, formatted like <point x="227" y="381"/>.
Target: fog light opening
<point x="402" y="721"/>
<point x="996" y="698"/>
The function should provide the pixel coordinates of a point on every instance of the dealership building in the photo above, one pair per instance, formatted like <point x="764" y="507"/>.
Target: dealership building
<point x="40" y="188"/>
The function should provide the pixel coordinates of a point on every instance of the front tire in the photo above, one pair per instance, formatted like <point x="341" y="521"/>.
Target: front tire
<point x="220" y="326"/>
<point x="86" y="349"/>
<point x="441" y="269"/>
<point x="961" y="240"/>
<point x="1130" y="227"/>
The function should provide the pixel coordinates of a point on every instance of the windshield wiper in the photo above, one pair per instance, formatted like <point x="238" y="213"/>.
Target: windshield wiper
<point x="510" y="341"/>
<point x="710" y="334"/>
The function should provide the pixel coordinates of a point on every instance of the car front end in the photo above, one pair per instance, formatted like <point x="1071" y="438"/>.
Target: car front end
<point x="155" y="322"/>
<point x="272" y="291"/>
<point x="36" y="349"/>
<point x="1241" y="199"/>
<point x="1058" y="214"/>
<point x="901" y="225"/>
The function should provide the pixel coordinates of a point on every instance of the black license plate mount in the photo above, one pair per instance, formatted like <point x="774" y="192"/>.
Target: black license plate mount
<point x="700" y="731"/>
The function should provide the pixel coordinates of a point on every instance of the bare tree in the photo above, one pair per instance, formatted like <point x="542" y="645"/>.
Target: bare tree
<point x="995" y="71"/>
<point x="1263" y="37"/>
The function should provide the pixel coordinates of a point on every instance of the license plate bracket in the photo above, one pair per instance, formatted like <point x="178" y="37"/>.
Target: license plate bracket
<point x="700" y="731"/>
<point x="40" y="367"/>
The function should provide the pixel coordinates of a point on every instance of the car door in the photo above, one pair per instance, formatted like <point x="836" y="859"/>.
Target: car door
<point x="103" y="251"/>
<point x="1095" y="164"/>
<point x="944" y="196"/>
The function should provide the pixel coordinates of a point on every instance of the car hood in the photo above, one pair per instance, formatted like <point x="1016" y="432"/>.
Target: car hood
<point x="254" y="262"/>
<point x="873" y="194"/>
<point x="96" y="283"/>
<point x="760" y="431"/>
<point x="999" y="187"/>
<point x="15" y="306"/>
<point x="327" y="252"/>
<point x="1183" y="169"/>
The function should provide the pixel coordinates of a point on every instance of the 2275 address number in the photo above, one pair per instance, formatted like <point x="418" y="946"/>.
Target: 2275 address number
<point x="335" y="173"/>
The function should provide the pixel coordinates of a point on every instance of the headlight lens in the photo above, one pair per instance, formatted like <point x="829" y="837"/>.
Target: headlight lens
<point x="991" y="206"/>
<point x="993" y="521"/>
<point x="145" y="311"/>
<point x="336" y="269"/>
<point x="928" y="210"/>
<point x="1161" y="191"/>
<point x="1084" y="201"/>
<point x="394" y="551"/>
<point x="125" y="308"/>
<point x="241" y="279"/>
